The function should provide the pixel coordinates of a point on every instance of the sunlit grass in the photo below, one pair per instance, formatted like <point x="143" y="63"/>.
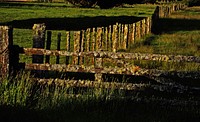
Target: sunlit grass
<point x="61" y="10"/>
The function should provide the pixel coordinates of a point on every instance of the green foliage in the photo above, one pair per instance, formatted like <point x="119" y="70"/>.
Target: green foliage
<point x="192" y="2"/>
<point x="83" y="3"/>
<point x="106" y="4"/>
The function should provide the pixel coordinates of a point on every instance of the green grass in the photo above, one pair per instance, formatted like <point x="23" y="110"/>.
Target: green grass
<point x="11" y="11"/>
<point x="178" y="35"/>
<point x="21" y="99"/>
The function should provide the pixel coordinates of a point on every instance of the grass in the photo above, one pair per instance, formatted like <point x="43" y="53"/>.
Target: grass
<point x="177" y="35"/>
<point x="19" y="11"/>
<point x="27" y="100"/>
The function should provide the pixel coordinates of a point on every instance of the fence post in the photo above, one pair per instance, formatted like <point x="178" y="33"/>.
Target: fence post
<point x="114" y="38"/>
<point x="93" y="39"/>
<point x="110" y="37"/>
<point x="98" y="61"/>
<point x="137" y="30"/>
<point x="67" y="45"/>
<point x="88" y="45"/>
<point x="6" y="41"/>
<point x="38" y="41"/>
<point x="76" y="46"/>
<point x="133" y="33"/>
<point x="125" y="37"/>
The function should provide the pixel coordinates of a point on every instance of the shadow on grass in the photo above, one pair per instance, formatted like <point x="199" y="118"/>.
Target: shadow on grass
<point x="101" y="111"/>
<point x="73" y="23"/>
<point x="168" y="25"/>
<point x="32" y="4"/>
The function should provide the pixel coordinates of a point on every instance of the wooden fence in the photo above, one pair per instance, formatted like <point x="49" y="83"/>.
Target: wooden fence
<point x="87" y="51"/>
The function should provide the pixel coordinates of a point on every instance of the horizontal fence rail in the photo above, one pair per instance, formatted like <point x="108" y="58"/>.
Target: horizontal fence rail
<point x="117" y="55"/>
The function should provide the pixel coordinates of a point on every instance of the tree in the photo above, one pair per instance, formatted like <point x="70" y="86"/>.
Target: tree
<point x="106" y="4"/>
<point x="83" y="3"/>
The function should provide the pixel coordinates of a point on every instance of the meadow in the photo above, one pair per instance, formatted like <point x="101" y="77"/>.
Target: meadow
<point x="23" y="99"/>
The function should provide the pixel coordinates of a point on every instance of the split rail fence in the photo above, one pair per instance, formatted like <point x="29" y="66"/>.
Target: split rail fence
<point x="87" y="51"/>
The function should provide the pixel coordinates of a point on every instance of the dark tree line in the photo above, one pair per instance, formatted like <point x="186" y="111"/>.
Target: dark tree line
<point x="105" y="4"/>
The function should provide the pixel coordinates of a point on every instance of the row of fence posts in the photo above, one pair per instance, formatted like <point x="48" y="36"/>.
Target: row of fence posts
<point x="165" y="11"/>
<point x="111" y="38"/>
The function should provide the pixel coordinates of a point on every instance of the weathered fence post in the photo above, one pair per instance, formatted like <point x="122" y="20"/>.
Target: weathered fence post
<point x="133" y="33"/>
<point x="93" y="39"/>
<point x="125" y="37"/>
<point x="88" y="46"/>
<point x="6" y="42"/>
<point x="98" y="61"/>
<point x="114" y="38"/>
<point x="110" y="37"/>
<point x="147" y="25"/>
<point x="88" y="39"/>
<point x="67" y="45"/>
<point x="76" y="46"/>
<point x="38" y="41"/>
<point x="137" y="30"/>
<point x="106" y="38"/>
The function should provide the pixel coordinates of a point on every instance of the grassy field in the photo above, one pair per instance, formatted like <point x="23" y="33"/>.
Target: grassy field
<point x="22" y="99"/>
<point x="21" y="11"/>
<point x="178" y="34"/>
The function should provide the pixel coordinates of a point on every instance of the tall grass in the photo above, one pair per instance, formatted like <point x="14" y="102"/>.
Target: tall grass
<point x="15" y="91"/>
<point x="22" y="100"/>
<point x="22" y="90"/>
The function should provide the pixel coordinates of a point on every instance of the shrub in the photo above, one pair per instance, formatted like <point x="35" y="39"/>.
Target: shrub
<point x="83" y="3"/>
<point x="193" y="2"/>
<point x="105" y="4"/>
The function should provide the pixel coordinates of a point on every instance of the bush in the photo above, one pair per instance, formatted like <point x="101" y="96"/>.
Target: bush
<point x="105" y="4"/>
<point x="83" y="3"/>
<point x="112" y="3"/>
<point x="193" y="2"/>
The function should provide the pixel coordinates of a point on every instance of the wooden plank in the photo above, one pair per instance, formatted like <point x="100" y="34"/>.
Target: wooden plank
<point x="88" y="45"/>
<point x="76" y="46"/>
<point x="125" y="38"/>
<point x="38" y="41"/>
<point x="7" y="59"/>
<point x="114" y="38"/>
<point x="68" y="39"/>
<point x="118" y="55"/>
<point x="131" y="70"/>
<point x="110" y="38"/>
